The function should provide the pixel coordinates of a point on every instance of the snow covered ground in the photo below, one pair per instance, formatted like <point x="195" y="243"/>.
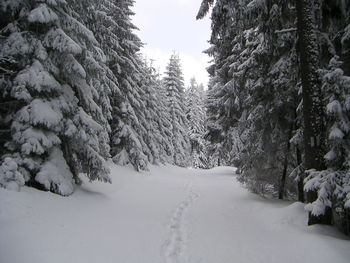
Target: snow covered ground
<point x="167" y="215"/>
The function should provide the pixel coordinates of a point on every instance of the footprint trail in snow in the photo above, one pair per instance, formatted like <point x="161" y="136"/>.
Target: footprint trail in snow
<point x="173" y="249"/>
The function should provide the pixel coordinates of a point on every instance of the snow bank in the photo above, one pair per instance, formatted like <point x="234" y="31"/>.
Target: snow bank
<point x="166" y="215"/>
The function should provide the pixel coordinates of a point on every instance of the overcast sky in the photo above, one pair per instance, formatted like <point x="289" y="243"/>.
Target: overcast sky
<point x="170" y="25"/>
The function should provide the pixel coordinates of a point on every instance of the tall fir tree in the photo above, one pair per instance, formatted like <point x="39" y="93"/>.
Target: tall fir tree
<point x="313" y="113"/>
<point x="135" y="102"/>
<point x="174" y="85"/>
<point x="121" y="45"/>
<point x="195" y="117"/>
<point x="55" y="118"/>
<point x="157" y="117"/>
<point x="249" y="121"/>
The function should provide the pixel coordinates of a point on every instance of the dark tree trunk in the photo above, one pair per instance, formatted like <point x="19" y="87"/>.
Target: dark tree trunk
<point x="346" y="60"/>
<point x="283" y="179"/>
<point x="312" y="98"/>
<point x="301" y="197"/>
<point x="282" y="185"/>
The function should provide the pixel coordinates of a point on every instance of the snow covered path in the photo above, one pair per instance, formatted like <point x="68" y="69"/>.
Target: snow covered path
<point x="168" y="215"/>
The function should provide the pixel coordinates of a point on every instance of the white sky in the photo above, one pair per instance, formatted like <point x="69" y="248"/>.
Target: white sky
<point x="170" y="25"/>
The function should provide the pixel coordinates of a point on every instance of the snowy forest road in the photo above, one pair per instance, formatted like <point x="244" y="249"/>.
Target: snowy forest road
<point x="167" y="215"/>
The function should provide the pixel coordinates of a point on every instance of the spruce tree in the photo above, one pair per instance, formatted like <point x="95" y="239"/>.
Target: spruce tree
<point x="196" y="129"/>
<point x="55" y="119"/>
<point x="157" y="118"/>
<point x="253" y="95"/>
<point x="313" y="113"/>
<point x="110" y="20"/>
<point x="256" y="114"/>
<point x="174" y="85"/>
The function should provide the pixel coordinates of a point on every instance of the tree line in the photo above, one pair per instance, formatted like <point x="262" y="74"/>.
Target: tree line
<point x="278" y="101"/>
<point x="76" y="92"/>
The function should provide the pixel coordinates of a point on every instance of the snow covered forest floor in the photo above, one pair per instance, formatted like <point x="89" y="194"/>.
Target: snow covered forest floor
<point x="166" y="215"/>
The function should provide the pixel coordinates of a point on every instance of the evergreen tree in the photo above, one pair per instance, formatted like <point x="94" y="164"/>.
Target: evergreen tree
<point x="54" y="118"/>
<point x="157" y="118"/>
<point x="139" y="127"/>
<point x="174" y="85"/>
<point x="256" y="116"/>
<point x="196" y="129"/>
<point x="312" y="100"/>
<point x="332" y="184"/>
<point x="128" y="123"/>
<point x="252" y="98"/>
<point x="213" y="135"/>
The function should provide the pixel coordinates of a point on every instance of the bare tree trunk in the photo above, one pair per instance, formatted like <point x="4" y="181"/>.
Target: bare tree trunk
<point x="345" y="57"/>
<point x="313" y="115"/>
<point x="301" y="197"/>
<point x="283" y="178"/>
<point x="282" y="185"/>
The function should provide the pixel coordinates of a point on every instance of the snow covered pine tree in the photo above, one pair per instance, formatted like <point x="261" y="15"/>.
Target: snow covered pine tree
<point x="174" y="85"/>
<point x="55" y="120"/>
<point x="253" y="112"/>
<point x="196" y="129"/>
